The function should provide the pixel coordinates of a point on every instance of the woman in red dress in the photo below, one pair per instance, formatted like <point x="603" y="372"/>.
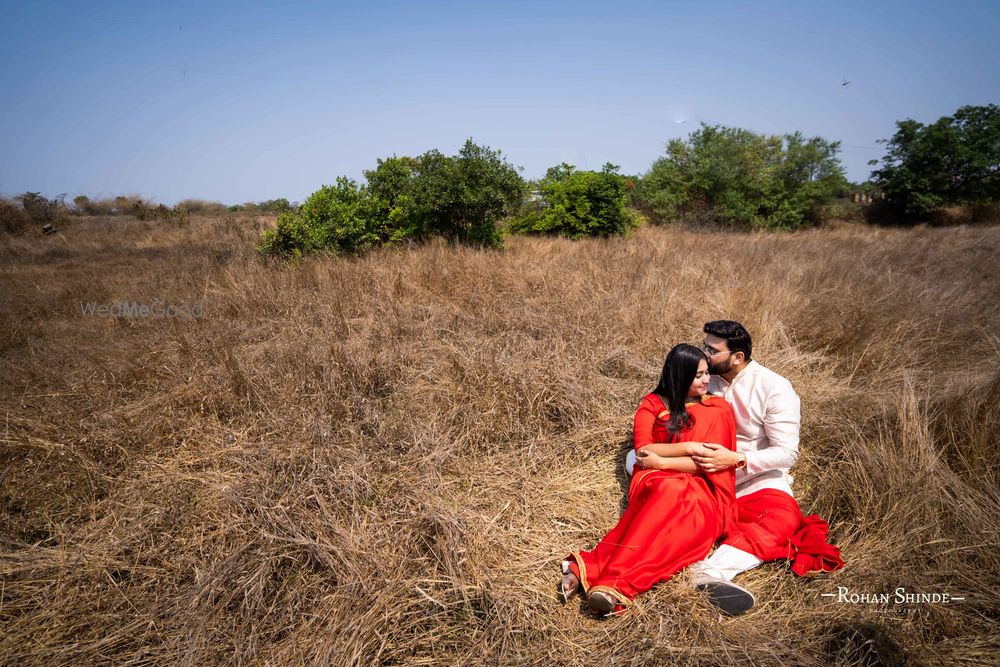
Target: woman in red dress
<point x="674" y="515"/>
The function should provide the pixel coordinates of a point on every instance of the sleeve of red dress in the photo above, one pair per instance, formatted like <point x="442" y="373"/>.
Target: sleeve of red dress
<point x="642" y="423"/>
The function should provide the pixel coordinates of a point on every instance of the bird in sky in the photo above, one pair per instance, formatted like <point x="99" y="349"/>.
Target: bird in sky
<point x="846" y="82"/>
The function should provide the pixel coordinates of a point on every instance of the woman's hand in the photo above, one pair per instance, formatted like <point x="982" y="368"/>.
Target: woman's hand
<point x="711" y="457"/>
<point x="646" y="459"/>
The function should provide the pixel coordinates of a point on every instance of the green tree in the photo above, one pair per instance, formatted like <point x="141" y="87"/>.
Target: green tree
<point x="578" y="204"/>
<point x="82" y="203"/>
<point x="340" y="217"/>
<point x="955" y="160"/>
<point x="391" y="185"/>
<point x="740" y="177"/>
<point x="278" y="205"/>
<point x="460" y="198"/>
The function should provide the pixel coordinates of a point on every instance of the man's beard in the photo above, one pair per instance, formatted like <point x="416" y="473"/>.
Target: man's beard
<point x="721" y="368"/>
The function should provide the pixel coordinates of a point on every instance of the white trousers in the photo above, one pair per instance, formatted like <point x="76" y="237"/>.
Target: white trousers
<point x="724" y="563"/>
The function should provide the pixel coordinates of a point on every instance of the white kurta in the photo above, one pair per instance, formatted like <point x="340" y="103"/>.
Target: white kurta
<point x="767" y="427"/>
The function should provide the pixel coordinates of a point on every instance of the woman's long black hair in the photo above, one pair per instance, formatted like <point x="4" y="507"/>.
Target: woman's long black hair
<point x="678" y="373"/>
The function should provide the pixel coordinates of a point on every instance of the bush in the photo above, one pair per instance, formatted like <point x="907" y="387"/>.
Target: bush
<point x="952" y="161"/>
<point x="200" y="207"/>
<point x="279" y="205"/>
<point x="578" y="204"/>
<point x="84" y="205"/>
<point x="842" y="209"/>
<point x="31" y="208"/>
<point x="141" y="209"/>
<point x="742" y="178"/>
<point x="340" y="217"/>
<point x="391" y="185"/>
<point x="39" y="209"/>
<point x="460" y="198"/>
<point x="13" y="219"/>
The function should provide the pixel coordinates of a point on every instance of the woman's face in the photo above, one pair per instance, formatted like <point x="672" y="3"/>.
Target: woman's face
<point x="700" y="385"/>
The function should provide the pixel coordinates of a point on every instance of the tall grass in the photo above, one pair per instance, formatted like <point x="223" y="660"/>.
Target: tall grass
<point x="382" y="460"/>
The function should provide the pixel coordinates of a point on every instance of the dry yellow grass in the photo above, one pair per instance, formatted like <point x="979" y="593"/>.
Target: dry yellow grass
<point x="382" y="460"/>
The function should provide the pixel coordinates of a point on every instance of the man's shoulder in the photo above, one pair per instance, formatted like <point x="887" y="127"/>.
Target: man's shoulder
<point x="770" y="378"/>
<point x="777" y="389"/>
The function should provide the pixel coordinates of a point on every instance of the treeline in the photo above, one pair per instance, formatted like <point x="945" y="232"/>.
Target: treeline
<point x="32" y="208"/>
<point x="473" y="197"/>
<point x="953" y="161"/>
<point x="738" y="177"/>
<point x="720" y="175"/>
<point x="716" y="176"/>
<point x="122" y="205"/>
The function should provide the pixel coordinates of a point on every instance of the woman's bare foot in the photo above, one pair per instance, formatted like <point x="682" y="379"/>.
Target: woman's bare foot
<point x="570" y="585"/>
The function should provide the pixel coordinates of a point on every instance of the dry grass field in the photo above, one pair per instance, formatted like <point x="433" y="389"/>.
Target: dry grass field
<point x="382" y="460"/>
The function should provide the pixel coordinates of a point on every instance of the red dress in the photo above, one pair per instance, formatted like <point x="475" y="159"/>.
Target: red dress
<point x="673" y="518"/>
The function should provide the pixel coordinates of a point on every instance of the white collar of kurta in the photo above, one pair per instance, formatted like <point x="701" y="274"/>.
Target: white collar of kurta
<point x="750" y="369"/>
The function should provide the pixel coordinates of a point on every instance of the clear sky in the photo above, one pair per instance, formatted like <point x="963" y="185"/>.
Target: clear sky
<point x="245" y="101"/>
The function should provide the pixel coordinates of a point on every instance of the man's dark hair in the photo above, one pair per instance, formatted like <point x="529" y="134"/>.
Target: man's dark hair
<point x="737" y="338"/>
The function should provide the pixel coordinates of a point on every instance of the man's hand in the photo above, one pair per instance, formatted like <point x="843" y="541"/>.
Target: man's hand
<point x="711" y="457"/>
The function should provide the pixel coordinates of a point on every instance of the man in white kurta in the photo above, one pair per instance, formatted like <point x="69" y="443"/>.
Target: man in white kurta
<point x="767" y="445"/>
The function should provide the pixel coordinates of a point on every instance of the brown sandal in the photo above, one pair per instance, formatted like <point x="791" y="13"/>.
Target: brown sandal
<point x="601" y="603"/>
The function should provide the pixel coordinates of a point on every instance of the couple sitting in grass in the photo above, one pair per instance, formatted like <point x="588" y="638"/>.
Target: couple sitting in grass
<point x="714" y="443"/>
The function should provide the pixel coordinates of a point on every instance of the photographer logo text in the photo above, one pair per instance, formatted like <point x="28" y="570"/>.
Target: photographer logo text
<point x="898" y="596"/>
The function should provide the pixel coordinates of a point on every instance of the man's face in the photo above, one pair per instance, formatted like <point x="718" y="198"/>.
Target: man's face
<point x="720" y="359"/>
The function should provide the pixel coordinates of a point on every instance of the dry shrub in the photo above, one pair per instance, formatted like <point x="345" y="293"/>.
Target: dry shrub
<point x="382" y="460"/>
<point x="201" y="207"/>
<point x="31" y="211"/>
<point x="13" y="218"/>
<point x="86" y="206"/>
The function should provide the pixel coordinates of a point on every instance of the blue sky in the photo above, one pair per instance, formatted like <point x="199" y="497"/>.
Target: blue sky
<point x="245" y="101"/>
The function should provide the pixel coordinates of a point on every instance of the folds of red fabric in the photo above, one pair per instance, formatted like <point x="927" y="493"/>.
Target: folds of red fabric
<point x="770" y="525"/>
<point x="671" y="522"/>
<point x="809" y="550"/>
